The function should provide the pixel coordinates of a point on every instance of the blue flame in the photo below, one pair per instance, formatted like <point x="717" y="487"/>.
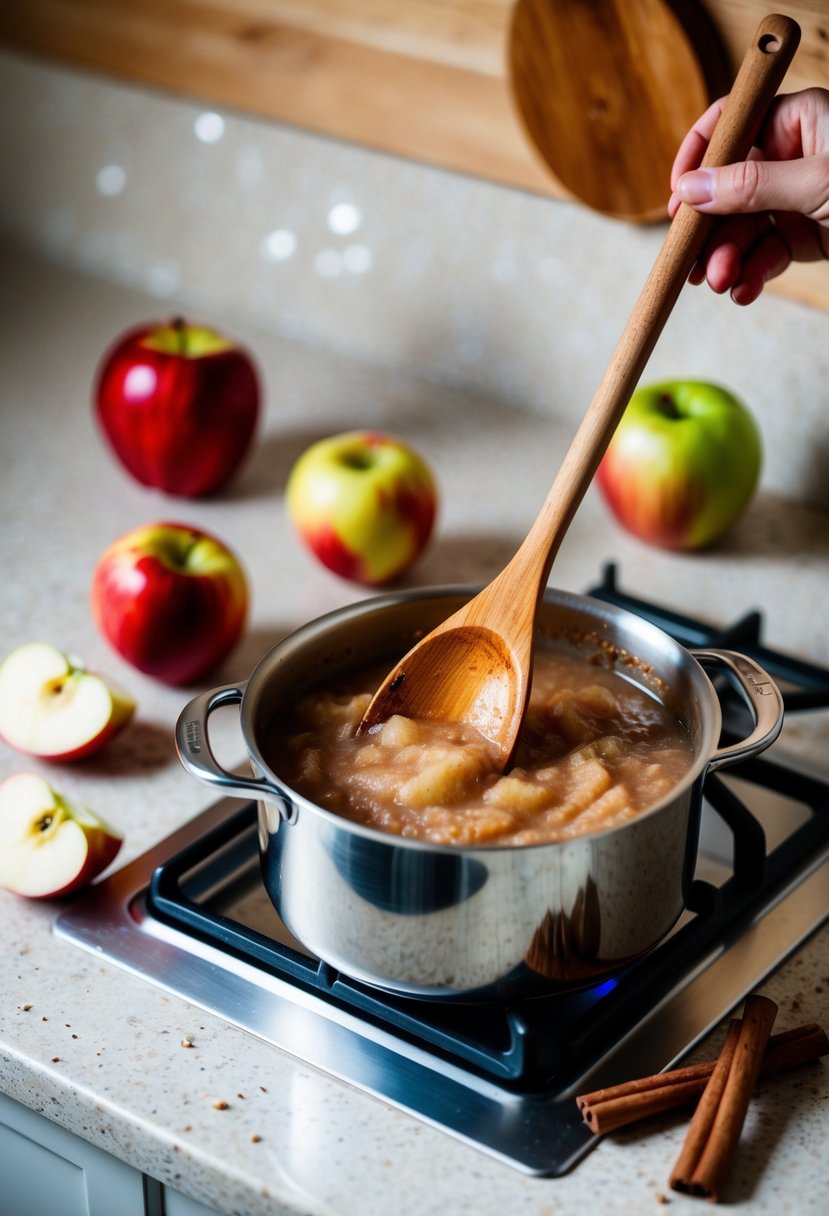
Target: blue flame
<point x="605" y="987"/>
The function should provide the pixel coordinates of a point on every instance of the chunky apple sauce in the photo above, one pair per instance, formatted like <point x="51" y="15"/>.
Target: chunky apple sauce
<point x="595" y="751"/>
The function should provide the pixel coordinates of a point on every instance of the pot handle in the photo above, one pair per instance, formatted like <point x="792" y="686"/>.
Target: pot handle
<point x="760" y="694"/>
<point x="193" y="744"/>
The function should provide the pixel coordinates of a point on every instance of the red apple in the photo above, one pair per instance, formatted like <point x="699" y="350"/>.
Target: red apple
<point x="52" y="707"/>
<point x="364" y="503"/>
<point x="49" y="846"/>
<point x="179" y="405"/>
<point x="682" y="465"/>
<point x="171" y="599"/>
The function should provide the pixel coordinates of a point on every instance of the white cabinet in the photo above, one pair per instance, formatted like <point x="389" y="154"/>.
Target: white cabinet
<point x="176" y="1204"/>
<point x="48" y="1171"/>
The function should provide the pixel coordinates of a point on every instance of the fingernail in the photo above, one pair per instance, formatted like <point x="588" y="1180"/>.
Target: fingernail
<point x="696" y="187"/>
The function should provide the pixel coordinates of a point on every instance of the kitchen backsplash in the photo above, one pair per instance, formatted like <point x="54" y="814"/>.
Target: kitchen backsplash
<point x="518" y="298"/>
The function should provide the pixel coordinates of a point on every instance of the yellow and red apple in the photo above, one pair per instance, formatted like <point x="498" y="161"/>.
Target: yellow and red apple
<point x="682" y="465"/>
<point x="171" y="599"/>
<point x="49" y="845"/>
<point x="178" y="404"/>
<point x="52" y="707"/>
<point x="364" y="503"/>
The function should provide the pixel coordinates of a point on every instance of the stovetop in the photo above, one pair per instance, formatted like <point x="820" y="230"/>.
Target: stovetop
<point x="192" y="916"/>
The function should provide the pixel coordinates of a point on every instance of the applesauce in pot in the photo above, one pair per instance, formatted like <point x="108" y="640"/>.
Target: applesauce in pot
<point x="595" y="751"/>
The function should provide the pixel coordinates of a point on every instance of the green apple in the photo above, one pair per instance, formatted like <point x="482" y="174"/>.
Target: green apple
<point x="49" y="845"/>
<point x="364" y="503"/>
<point x="683" y="464"/>
<point x="52" y="707"/>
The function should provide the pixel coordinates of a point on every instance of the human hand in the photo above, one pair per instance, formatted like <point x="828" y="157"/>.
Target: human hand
<point x="774" y="206"/>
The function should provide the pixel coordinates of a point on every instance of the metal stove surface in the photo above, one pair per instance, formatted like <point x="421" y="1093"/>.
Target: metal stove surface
<point x="528" y="1120"/>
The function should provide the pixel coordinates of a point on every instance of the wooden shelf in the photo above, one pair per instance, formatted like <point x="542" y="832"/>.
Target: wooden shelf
<point x="424" y="80"/>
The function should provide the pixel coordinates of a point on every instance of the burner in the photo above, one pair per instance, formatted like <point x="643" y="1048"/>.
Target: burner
<point x="804" y="685"/>
<point x="501" y="1076"/>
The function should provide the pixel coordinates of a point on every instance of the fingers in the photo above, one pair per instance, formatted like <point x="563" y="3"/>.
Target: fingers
<point x="758" y="185"/>
<point x="695" y="144"/>
<point x="797" y="125"/>
<point x="722" y="267"/>
<point x="741" y="256"/>
<point x="773" y="207"/>
<point x="769" y="258"/>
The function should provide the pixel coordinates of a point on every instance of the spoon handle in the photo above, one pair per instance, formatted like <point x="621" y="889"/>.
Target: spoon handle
<point x="760" y="75"/>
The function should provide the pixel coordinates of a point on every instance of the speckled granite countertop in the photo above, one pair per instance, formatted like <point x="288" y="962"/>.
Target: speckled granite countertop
<point x="99" y="1050"/>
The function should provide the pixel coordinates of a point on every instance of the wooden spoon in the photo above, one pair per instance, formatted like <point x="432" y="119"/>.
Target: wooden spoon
<point x="476" y="667"/>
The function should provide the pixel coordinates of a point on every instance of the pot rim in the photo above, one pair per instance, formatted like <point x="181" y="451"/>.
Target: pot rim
<point x="349" y="612"/>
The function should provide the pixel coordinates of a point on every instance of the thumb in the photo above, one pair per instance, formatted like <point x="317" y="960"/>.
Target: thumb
<point x="759" y="185"/>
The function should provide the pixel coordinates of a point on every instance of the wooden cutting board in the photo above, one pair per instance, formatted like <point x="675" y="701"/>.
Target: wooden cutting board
<point x="606" y="89"/>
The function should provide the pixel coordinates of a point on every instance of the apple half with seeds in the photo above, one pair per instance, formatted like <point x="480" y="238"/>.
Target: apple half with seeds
<point x="53" y="708"/>
<point x="49" y="846"/>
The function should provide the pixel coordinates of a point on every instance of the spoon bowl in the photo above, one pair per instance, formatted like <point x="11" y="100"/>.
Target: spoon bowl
<point x="476" y="668"/>
<point x="482" y="677"/>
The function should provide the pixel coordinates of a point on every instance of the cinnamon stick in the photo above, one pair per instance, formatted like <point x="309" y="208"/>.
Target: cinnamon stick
<point x="703" y="1164"/>
<point x="605" y="1110"/>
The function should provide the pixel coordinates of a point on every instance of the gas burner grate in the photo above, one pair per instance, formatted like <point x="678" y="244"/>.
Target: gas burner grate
<point x="804" y="685"/>
<point x="511" y="1042"/>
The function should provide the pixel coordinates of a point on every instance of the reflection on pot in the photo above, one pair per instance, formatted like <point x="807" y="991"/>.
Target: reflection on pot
<point x="565" y="945"/>
<point x="406" y="883"/>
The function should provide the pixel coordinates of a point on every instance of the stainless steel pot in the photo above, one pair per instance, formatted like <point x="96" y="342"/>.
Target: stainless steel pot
<point x="481" y="922"/>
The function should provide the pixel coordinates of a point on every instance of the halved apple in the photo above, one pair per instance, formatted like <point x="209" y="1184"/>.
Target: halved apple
<point x="49" y="846"/>
<point x="52" y="707"/>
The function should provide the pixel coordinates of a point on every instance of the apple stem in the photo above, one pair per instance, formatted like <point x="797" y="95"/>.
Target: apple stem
<point x="357" y="460"/>
<point x="669" y="406"/>
<point x="180" y="330"/>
